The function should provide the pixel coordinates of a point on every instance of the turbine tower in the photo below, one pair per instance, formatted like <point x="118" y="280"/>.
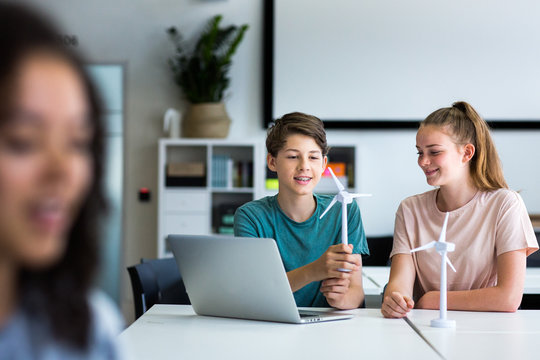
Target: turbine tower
<point x="442" y="247"/>
<point x="344" y="198"/>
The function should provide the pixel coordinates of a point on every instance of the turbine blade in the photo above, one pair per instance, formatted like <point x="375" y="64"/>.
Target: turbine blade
<point x="449" y="263"/>
<point x="338" y="183"/>
<point x="334" y="200"/>
<point x="442" y="236"/>
<point x="424" y="247"/>
<point x="360" y="195"/>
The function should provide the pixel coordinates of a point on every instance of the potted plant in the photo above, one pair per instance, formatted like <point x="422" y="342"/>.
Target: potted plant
<point x="202" y="75"/>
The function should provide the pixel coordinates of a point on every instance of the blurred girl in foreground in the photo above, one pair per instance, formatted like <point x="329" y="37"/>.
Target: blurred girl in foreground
<point x="51" y="146"/>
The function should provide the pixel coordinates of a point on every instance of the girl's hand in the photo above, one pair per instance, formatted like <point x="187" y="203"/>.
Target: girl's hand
<point x="396" y="305"/>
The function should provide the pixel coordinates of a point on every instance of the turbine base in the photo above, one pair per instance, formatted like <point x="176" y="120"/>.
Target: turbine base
<point x="443" y="323"/>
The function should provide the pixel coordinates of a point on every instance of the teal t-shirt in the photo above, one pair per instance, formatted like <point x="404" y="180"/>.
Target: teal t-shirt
<point x="301" y="243"/>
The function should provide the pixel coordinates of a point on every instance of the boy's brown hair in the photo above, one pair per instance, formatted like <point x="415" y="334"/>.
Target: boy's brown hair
<point x="295" y="123"/>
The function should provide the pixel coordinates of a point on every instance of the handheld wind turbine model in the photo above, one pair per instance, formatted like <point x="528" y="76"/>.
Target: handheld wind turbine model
<point x="442" y="247"/>
<point x="344" y="198"/>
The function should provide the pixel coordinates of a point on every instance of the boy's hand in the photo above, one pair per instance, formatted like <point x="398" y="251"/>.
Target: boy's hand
<point x="336" y="257"/>
<point x="396" y="305"/>
<point x="334" y="290"/>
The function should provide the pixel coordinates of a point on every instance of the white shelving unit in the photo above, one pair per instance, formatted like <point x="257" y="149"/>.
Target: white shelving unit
<point x="192" y="209"/>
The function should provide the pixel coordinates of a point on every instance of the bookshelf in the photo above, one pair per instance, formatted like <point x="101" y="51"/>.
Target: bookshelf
<point x="200" y="184"/>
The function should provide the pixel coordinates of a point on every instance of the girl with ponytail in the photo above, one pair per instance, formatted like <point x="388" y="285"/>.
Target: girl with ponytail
<point x="488" y="223"/>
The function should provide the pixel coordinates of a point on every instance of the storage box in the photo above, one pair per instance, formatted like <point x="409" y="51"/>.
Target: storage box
<point x="186" y="169"/>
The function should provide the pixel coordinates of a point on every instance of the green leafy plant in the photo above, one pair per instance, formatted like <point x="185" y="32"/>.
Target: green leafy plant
<point x="202" y="73"/>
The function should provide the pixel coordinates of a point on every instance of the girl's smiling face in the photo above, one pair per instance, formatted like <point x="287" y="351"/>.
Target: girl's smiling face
<point x="442" y="161"/>
<point x="45" y="160"/>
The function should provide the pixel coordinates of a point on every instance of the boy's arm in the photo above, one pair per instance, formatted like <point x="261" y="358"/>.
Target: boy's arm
<point x="505" y="296"/>
<point x="243" y="225"/>
<point x="345" y="293"/>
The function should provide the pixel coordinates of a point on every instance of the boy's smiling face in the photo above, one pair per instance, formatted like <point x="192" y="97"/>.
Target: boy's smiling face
<point x="299" y="165"/>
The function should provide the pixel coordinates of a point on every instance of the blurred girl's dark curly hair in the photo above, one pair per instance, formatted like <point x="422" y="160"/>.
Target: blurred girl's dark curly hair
<point x="59" y="294"/>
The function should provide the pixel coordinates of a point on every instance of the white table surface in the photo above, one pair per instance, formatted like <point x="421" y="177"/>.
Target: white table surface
<point x="483" y="335"/>
<point x="175" y="332"/>
<point x="378" y="275"/>
<point x="370" y="287"/>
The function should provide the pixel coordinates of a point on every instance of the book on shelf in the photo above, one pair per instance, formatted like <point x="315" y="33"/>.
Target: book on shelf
<point x="229" y="173"/>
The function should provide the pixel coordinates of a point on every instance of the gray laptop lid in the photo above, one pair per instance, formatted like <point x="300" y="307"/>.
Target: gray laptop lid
<point x="235" y="277"/>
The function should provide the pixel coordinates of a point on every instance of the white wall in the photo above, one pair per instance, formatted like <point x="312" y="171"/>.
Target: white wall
<point x="400" y="59"/>
<point x="133" y="32"/>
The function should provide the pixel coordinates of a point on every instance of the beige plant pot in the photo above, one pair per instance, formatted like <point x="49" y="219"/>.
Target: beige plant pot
<point x="206" y="120"/>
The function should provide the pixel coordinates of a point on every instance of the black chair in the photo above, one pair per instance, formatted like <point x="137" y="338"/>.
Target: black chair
<point x="156" y="281"/>
<point x="533" y="260"/>
<point x="532" y="301"/>
<point x="379" y="249"/>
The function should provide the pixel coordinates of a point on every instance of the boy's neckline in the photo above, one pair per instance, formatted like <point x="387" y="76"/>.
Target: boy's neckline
<point x="291" y="211"/>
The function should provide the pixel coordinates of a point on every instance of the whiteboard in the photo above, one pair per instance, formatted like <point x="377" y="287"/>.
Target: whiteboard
<point x="399" y="60"/>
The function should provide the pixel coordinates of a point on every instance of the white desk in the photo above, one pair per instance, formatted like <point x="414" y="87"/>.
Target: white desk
<point x="379" y="275"/>
<point x="370" y="287"/>
<point x="532" y="281"/>
<point x="175" y="332"/>
<point x="483" y="335"/>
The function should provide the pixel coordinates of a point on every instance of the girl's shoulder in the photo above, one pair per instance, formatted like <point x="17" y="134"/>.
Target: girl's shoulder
<point x="29" y="335"/>
<point x="107" y="323"/>
<point x="105" y="312"/>
<point x="499" y="197"/>
<point x="419" y="200"/>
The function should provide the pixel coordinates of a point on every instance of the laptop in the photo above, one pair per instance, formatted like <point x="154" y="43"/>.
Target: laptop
<point x="239" y="277"/>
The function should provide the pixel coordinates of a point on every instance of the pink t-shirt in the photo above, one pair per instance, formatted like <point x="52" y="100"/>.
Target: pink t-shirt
<point x="490" y="224"/>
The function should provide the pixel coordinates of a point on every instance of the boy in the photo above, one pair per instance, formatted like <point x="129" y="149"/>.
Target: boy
<point x="310" y="248"/>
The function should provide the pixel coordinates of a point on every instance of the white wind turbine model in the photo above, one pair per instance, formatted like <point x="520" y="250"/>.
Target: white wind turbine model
<point x="442" y="247"/>
<point x="344" y="198"/>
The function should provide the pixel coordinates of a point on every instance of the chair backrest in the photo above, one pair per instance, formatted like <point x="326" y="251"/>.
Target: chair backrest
<point x="156" y="281"/>
<point x="379" y="249"/>
<point x="533" y="260"/>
